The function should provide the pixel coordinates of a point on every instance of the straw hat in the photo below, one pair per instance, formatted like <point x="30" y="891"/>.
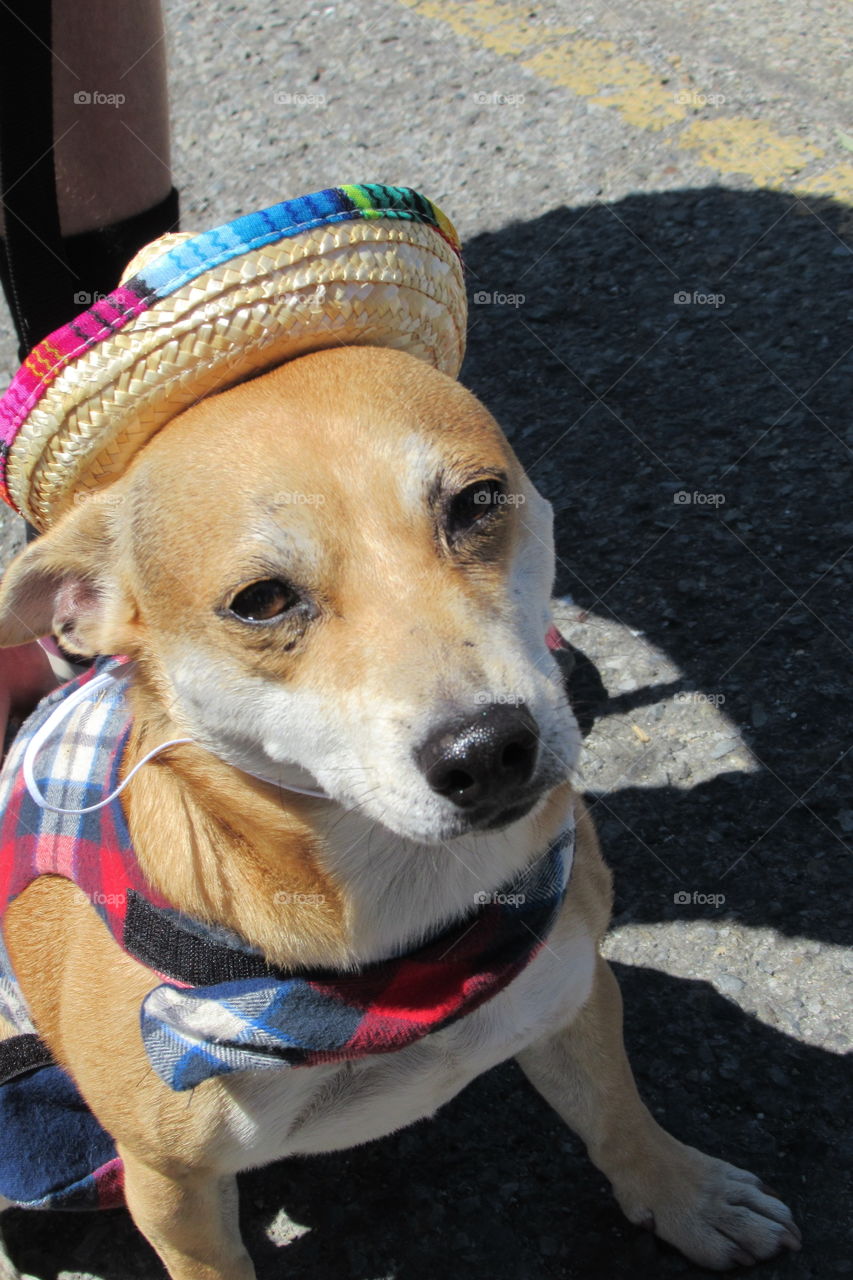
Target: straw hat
<point x="194" y="314"/>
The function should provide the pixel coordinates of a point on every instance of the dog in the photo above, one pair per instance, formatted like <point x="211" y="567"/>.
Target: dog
<point x="342" y="624"/>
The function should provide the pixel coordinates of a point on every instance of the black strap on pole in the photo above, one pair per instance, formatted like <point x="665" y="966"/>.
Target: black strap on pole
<point x="37" y="278"/>
<point x="48" y="278"/>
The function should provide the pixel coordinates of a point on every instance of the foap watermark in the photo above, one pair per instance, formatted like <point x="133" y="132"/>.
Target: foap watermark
<point x="683" y="498"/>
<point x="499" y="699"/>
<point x="485" y="498"/>
<point x="499" y="99"/>
<point x="712" y="699"/>
<point x="696" y="298"/>
<point x="102" y="497"/>
<point x="483" y="899"/>
<point x="684" y="898"/>
<point x="314" y="302"/>
<point x="287" y="898"/>
<point x="100" y="899"/>
<point x="295" y="498"/>
<point x="485" y="298"/>
<point x="95" y="98"/>
<point x="690" y="98"/>
<point x="82" y="298"/>
<point x="284" y="98"/>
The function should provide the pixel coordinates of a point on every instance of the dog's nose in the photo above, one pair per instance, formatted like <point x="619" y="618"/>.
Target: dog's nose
<point x="481" y="760"/>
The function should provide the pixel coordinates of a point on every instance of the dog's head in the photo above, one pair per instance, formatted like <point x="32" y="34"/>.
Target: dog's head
<point x="336" y="572"/>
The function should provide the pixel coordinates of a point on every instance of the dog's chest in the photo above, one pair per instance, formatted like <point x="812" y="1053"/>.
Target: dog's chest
<point x="332" y="1107"/>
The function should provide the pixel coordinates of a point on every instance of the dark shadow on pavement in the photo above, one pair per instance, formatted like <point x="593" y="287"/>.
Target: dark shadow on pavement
<point x="694" y="345"/>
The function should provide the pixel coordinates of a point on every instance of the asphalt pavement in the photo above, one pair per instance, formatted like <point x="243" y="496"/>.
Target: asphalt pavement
<point x="655" y="202"/>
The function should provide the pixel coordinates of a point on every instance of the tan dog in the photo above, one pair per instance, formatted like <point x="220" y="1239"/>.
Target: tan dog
<point x="337" y="595"/>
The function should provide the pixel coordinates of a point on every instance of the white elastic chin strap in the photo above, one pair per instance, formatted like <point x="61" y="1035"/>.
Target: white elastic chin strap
<point x="64" y="709"/>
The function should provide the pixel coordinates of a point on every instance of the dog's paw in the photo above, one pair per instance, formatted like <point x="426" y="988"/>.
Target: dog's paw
<point x="719" y="1216"/>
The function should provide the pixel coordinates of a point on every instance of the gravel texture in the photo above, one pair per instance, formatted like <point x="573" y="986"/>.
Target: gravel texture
<point x="695" y="455"/>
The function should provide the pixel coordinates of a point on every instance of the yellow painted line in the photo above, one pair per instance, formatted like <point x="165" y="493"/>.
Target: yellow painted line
<point x="591" y="68"/>
<point x="596" y="70"/>
<point x="837" y="181"/>
<point x="735" y="144"/>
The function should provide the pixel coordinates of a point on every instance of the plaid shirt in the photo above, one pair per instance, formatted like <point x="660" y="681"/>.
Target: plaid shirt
<point x="222" y="1008"/>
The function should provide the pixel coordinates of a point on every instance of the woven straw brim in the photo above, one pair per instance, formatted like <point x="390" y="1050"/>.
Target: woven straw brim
<point x="383" y="282"/>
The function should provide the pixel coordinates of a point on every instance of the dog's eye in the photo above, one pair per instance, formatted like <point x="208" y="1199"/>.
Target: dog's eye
<point x="262" y="601"/>
<point x="473" y="505"/>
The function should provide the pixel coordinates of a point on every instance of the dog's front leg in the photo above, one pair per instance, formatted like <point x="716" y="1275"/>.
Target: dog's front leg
<point x="716" y="1214"/>
<point x="192" y="1221"/>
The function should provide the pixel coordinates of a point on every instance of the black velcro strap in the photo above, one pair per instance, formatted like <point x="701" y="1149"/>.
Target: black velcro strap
<point x="154" y="936"/>
<point x="22" y="1054"/>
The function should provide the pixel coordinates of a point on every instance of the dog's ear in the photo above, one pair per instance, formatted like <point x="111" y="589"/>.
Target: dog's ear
<point x="66" y="583"/>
